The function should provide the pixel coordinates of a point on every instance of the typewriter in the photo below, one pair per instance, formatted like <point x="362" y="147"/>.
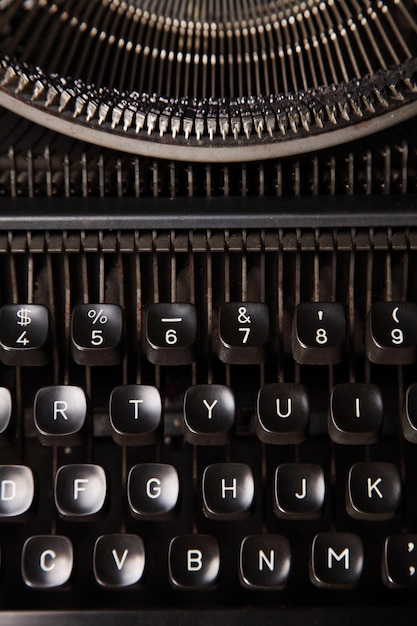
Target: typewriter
<point x="208" y="312"/>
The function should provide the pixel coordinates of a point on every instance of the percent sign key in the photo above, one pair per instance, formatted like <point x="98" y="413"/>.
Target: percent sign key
<point x="97" y="334"/>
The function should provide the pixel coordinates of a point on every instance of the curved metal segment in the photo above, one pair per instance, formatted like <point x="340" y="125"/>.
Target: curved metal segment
<point x="202" y="151"/>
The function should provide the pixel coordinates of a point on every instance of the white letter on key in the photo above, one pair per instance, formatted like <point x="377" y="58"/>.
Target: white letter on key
<point x="209" y="408"/>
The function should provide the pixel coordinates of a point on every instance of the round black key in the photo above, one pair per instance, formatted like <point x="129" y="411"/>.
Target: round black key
<point x="299" y="491"/>
<point x="194" y="561"/>
<point x="97" y="334"/>
<point x="135" y="414"/>
<point x="209" y="414"/>
<point x="264" y="561"/>
<point x="25" y="331"/>
<point x="283" y="413"/>
<point x="243" y="332"/>
<point x="170" y="334"/>
<point x="409" y="414"/>
<point x="391" y="333"/>
<point x="399" y="564"/>
<point x="7" y="425"/>
<point x="356" y="413"/>
<point x="47" y="561"/>
<point x="119" y="560"/>
<point x="80" y="491"/>
<point x="319" y="333"/>
<point x="337" y="560"/>
<point x="60" y="415"/>
<point x="17" y="491"/>
<point x="153" y="491"/>
<point x="228" y="491"/>
<point x="373" y="491"/>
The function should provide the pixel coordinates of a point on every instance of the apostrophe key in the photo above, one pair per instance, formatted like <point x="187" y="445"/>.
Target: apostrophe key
<point x="319" y="333"/>
<point x="97" y="334"/>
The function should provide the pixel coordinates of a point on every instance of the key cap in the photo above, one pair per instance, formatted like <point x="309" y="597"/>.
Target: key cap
<point x="373" y="491"/>
<point x="153" y="491"/>
<point x="97" y="334"/>
<point x="80" y="491"/>
<point x="47" y="561"/>
<point x="283" y="413"/>
<point x="209" y="414"/>
<point x="17" y="492"/>
<point x="399" y="563"/>
<point x="409" y="414"/>
<point x="299" y="491"/>
<point x="336" y="561"/>
<point x="171" y="333"/>
<point x="194" y="562"/>
<point x="356" y="413"/>
<point x="135" y="415"/>
<point x="319" y="333"/>
<point x="60" y="414"/>
<point x="25" y="334"/>
<point x="264" y="562"/>
<point x="391" y="333"/>
<point x="243" y="332"/>
<point x="118" y="560"/>
<point x="228" y="491"/>
<point x="7" y="425"/>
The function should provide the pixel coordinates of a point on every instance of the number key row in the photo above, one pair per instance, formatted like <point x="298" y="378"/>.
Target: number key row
<point x="170" y="336"/>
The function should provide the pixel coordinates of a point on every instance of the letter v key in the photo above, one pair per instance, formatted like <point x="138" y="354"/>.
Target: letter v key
<point x="119" y="562"/>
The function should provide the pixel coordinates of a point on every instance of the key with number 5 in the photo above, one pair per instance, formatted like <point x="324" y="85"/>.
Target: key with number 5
<point x="97" y="334"/>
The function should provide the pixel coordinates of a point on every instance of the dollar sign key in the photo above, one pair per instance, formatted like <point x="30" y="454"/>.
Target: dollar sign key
<point x="25" y="334"/>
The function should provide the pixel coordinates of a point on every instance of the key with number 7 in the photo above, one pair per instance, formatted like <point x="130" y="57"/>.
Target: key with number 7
<point x="243" y="332"/>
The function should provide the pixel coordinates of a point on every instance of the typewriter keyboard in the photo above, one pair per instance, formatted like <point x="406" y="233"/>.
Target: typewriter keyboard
<point x="218" y="418"/>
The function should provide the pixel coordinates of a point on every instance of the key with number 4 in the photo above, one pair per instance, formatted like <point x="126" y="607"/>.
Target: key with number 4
<point x="25" y="331"/>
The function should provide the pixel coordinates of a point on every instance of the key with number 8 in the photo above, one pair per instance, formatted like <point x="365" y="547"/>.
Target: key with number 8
<point x="97" y="334"/>
<point x="319" y="333"/>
